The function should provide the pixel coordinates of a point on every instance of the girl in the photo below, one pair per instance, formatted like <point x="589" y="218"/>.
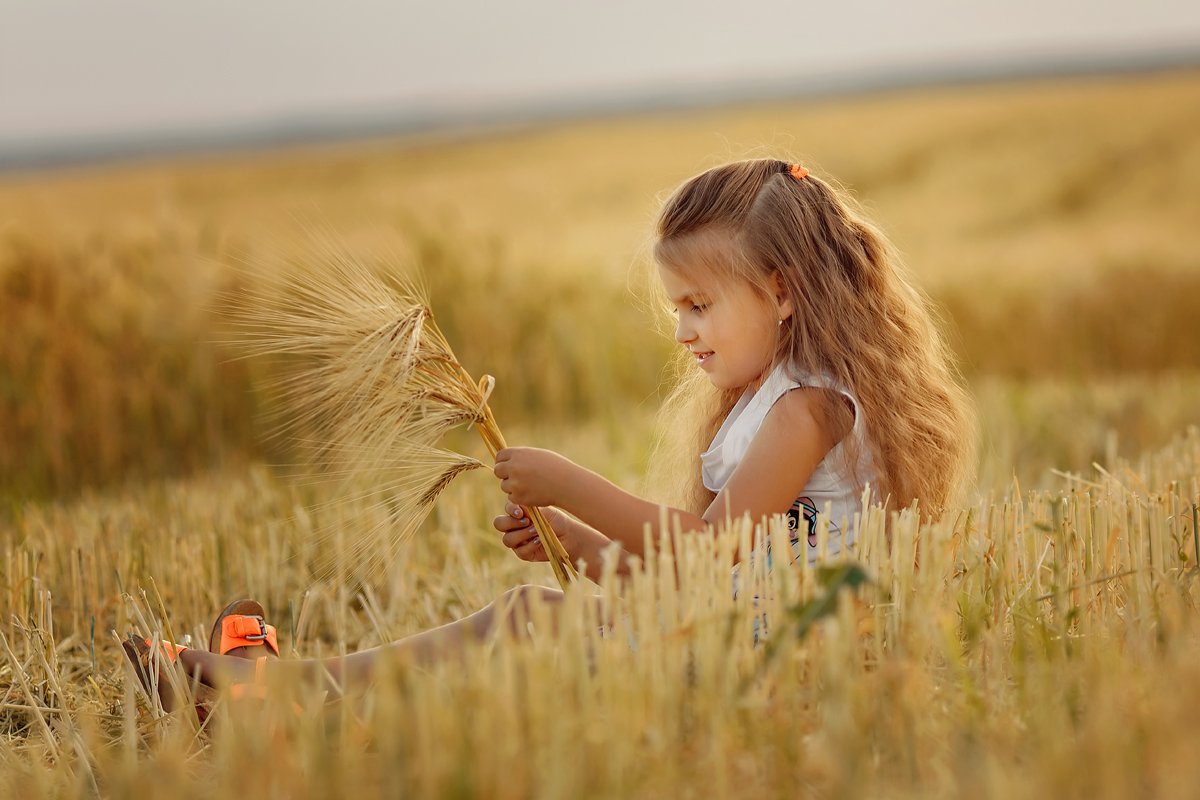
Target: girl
<point x="817" y="372"/>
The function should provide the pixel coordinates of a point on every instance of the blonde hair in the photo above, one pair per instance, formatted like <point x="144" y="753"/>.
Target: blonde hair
<point x="856" y="319"/>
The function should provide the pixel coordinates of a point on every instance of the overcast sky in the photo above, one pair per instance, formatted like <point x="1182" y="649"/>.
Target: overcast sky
<point x="94" y="68"/>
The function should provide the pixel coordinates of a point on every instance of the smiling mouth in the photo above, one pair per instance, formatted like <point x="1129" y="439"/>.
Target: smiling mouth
<point x="701" y="357"/>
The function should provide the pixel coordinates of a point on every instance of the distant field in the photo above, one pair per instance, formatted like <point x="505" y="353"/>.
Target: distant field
<point x="1047" y="644"/>
<point x="1007" y="180"/>
<point x="1054" y="221"/>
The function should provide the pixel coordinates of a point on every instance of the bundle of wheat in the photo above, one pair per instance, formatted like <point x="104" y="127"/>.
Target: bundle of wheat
<point x="371" y="385"/>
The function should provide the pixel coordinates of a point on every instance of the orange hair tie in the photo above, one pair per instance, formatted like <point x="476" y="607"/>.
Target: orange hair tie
<point x="798" y="172"/>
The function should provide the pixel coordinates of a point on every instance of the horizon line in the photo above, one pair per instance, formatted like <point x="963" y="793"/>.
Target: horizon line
<point x="317" y="128"/>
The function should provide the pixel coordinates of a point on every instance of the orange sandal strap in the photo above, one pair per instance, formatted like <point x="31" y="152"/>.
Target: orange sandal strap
<point x="242" y="630"/>
<point x="170" y="651"/>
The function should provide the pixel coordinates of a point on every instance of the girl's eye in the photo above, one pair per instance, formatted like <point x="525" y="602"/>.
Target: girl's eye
<point x="694" y="308"/>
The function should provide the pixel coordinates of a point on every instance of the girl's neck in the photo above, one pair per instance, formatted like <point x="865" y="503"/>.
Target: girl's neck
<point x="756" y="384"/>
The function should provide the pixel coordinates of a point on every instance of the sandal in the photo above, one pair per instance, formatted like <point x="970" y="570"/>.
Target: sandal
<point x="238" y="629"/>
<point x="241" y="625"/>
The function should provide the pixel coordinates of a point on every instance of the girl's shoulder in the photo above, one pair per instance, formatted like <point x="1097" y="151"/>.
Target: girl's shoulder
<point x="784" y="378"/>
<point x="746" y="419"/>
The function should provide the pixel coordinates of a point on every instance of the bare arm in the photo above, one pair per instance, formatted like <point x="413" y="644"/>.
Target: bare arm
<point x="620" y="515"/>
<point x="780" y="460"/>
<point x="774" y="471"/>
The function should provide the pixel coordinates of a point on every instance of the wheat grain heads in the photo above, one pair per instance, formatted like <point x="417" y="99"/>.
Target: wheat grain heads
<point x="368" y="385"/>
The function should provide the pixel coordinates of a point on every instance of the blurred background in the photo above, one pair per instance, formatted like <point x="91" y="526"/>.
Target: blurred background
<point x="1037" y="164"/>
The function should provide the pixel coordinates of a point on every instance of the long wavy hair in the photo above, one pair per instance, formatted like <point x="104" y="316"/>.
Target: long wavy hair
<point x="856" y="319"/>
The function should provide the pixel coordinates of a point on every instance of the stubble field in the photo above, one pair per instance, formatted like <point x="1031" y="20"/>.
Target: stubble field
<point x="1048" y="641"/>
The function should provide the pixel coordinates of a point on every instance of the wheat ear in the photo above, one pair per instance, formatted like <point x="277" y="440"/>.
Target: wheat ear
<point x="370" y="384"/>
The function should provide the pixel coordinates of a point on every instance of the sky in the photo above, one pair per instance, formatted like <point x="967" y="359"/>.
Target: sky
<point x="89" y="70"/>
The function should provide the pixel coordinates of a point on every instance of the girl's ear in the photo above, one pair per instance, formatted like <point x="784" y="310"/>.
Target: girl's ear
<point x="783" y="300"/>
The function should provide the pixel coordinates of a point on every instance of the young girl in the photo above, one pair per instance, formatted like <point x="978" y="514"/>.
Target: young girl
<point x="817" y="372"/>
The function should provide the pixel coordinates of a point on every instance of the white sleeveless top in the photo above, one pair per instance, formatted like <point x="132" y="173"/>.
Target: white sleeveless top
<point x="829" y="485"/>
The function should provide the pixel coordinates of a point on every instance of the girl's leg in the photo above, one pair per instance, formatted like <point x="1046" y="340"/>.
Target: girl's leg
<point x="420" y="648"/>
<point x="452" y="638"/>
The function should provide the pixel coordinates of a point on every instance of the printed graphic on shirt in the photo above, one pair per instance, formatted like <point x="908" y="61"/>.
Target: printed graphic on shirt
<point x="803" y="510"/>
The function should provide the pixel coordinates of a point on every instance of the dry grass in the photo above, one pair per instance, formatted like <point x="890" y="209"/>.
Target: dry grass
<point x="1047" y="643"/>
<point x="1038" y="634"/>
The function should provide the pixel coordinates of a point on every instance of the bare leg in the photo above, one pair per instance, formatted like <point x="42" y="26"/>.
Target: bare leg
<point x="421" y="648"/>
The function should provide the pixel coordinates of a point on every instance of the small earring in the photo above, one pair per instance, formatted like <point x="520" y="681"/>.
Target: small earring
<point x="781" y="322"/>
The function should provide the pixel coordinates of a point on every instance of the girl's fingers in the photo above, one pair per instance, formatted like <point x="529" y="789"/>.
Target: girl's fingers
<point x="526" y="544"/>
<point x="504" y="523"/>
<point x="519" y="534"/>
<point x="532" y="551"/>
<point x="514" y="540"/>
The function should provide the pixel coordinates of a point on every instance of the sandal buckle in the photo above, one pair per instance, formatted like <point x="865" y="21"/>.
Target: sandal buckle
<point x="262" y="630"/>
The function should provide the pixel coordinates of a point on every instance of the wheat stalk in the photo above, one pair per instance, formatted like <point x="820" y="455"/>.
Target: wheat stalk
<point x="372" y="385"/>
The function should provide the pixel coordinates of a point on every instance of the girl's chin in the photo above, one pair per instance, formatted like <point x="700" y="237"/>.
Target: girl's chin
<point x="726" y="383"/>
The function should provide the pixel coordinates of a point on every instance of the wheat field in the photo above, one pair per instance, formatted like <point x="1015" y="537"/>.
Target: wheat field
<point x="1041" y="639"/>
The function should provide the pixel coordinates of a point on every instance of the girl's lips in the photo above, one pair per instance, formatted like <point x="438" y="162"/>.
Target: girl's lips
<point x="702" y="357"/>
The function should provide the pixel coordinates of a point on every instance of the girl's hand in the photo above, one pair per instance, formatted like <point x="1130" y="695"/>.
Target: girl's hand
<point x="520" y="536"/>
<point x="532" y="477"/>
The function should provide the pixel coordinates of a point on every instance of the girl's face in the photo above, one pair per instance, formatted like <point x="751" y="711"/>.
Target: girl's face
<point x="730" y="328"/>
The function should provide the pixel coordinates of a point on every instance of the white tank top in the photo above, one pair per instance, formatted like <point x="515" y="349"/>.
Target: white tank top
<point x="831" y="486"/>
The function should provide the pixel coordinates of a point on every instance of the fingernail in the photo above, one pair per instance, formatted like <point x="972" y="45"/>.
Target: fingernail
<point x="520" y="511"/>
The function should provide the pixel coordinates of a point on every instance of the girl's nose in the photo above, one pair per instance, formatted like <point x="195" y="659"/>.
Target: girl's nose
<point x="684" y="332"/>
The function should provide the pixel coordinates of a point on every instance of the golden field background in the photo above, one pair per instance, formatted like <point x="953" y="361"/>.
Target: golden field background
<point x="1047" y="643"/>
